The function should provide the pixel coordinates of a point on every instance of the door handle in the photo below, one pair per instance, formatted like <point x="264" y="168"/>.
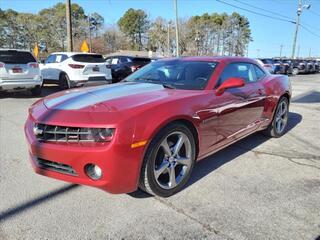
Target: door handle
<point x="260" y="91"/>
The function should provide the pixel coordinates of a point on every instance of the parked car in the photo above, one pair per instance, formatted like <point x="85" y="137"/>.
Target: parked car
<point x="272" y="66"/>
<point x="19" y="70"/>
<point x="311" y="66"/>
<point x="288" y="68"/>
<point x="299" y="66"/>
<point x="317" y="65"/>
<point x="74" y="69"/>
<point x="123" y="66"/>
<point x="149" y="130"/>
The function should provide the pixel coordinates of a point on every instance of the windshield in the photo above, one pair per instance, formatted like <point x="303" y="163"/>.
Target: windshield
<point x="191" y="75"/>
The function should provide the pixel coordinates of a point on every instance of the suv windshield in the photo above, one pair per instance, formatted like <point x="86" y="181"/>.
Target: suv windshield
<point x="16" y="57"/>
<point x="88" y="58"/>
<point x="191" y="75"/>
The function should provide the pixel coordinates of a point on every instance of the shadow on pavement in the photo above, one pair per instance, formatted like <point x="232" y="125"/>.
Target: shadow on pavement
<point x="11" y="212"/>
<point x="46" y="90"/>
<point x="309" y="97"/>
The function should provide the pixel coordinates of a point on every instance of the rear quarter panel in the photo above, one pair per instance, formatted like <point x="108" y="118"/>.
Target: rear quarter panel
<point x="275" y="86"/>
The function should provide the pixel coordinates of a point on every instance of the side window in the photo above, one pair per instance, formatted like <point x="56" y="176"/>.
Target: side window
<point x="123" y="59"/>
<point x="115" y="61"/>
<point x="108" y="60"/>
<point x="259" y="72"/>
<point x="238" y="70"/>
<point x="60" y="58"/>
<point x="51" y="59"/>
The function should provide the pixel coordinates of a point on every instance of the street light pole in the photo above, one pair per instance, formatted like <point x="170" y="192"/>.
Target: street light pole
<point x="281" y="46"/>
<point x="299" y="11"/>
<point x="177" y="28"/>
<point x="69" y="26"/>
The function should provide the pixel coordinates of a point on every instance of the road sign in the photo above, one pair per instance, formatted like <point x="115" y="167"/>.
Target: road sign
<point x="84" y="47"/>
<point x="36" y="50"/>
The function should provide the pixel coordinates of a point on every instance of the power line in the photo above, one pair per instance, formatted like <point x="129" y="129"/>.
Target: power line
<point x="315" y="13"/>
<point x="265" y="10"/>
<point x="308" y="30"/>
<point x="257" y="13"/>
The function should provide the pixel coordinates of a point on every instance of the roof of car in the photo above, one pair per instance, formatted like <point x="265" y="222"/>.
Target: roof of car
<point x="74" y="53"/>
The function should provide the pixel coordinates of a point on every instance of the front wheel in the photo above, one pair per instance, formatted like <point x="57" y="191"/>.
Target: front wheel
<point x="280" y="120"/>
<point x="169" y="161"/>
<point x="295" y="71"/>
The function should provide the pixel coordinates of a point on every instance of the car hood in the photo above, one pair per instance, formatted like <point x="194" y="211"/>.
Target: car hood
<point x="115" y="97"/>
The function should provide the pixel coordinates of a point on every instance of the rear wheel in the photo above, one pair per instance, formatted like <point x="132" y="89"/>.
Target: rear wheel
<point x="169" y="161"/>
<point x="36" y="91"/>
<point x="64" y="82"/>
<point x="280" y="120"/>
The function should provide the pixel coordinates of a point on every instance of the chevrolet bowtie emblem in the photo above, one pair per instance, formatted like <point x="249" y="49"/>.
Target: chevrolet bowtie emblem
<point x="37" y="131"/>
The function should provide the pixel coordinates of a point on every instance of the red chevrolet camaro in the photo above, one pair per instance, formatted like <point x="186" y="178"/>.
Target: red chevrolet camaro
<point x="149" y="130"/>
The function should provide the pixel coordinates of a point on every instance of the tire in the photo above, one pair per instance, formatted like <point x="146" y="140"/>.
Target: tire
<point x="64" y="82"/>
<point x="165" y="171"/>
<point x="295" y="71"/>
<point x="36" y="91"/>
<point x="280" y="119"/>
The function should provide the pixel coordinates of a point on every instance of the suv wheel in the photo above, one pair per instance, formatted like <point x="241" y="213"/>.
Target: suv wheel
<point x="169" y="161"/>
<point x="36" y="91"/>
<point x="64" y="82"/>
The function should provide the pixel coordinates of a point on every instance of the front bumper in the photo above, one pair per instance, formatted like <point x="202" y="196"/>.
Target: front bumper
<point x="120" y="163"/>
<point x="18" y="84"/>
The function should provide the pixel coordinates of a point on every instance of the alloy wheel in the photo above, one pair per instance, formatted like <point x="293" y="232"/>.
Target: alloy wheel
<point x="173" y="160"/>
<point x="281" y="117"/>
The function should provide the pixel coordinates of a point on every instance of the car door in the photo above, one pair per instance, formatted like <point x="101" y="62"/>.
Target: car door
<point x="55" y="68"/>
<point x="241" y="108"/>
<point x="46" y="69"/>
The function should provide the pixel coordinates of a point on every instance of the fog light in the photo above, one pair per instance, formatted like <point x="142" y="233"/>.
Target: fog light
<point x="93" y="171"/>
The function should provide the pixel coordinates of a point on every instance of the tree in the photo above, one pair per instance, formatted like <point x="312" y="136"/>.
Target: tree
<point x="134" y="24"/>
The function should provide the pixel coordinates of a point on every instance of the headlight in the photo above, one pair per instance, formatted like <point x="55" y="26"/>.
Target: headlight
<point x="98" y="134"/>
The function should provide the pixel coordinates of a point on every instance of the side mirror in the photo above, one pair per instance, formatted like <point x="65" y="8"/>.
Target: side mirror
<point x="229" y="83"/>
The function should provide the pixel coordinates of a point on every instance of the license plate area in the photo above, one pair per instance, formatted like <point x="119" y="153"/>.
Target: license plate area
<point x="16" y="70"/>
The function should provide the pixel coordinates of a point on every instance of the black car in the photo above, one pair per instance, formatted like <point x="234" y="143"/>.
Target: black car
<point x="273" y="66"/>
<point x="122" y="66"/>
<point x="311" y="66"/>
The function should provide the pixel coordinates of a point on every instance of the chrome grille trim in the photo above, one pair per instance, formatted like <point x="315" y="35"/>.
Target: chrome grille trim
<point x="55" y="166"/>
<point x="52" y="133"/>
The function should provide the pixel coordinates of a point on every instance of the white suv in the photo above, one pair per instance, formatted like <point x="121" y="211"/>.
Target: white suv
<point x="74" y="69"/>
<point x="19" y="70"/>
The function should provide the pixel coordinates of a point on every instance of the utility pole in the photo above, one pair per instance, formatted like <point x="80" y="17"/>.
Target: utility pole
<point x="69" y="26"/>
<point x="299" y="11"/>
<point x="90" y="35"/>
<point x="168" y="40"/>
<point x="310" y="53"/>
<point x="298" y="54"/>
<point x="281" y="46"/>
<point x="177" y="28"/>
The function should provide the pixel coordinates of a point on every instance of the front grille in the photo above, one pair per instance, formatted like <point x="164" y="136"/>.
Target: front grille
<point x="50" y="133"/>
<point x="57" y="167"/>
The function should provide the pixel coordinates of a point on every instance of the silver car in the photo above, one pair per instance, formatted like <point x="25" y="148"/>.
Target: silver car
<point x="19" y="70"/>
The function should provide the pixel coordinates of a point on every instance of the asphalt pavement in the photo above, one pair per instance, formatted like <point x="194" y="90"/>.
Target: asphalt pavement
<point x="258" y="188"/>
